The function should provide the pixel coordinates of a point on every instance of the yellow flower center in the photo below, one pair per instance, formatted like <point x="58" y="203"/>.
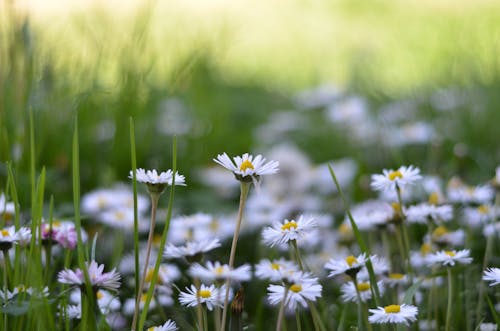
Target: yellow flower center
<point x="56" y="224"/>
<point x="5" y="233"/>
<point x="101" y="202"/>
<point x="120" y="216"/>
<point x="450" y="253"/>
<point x="149" y="275"/>
<point x="214" y="225"/>
<point x="219" y="270"/>
<point x="275" y="266"/>
<point x="363" y="287"/>
<point x="425" y="249"/>
<point x="99" y="295"/>
<point x="204" y="293"/>
<point x="156" y="240"/>
<point x="351" y="260"/>
<point x="434" y="198"/>
<point x="153" y="328"/>
<point x="345" y="229"/>
<point x="396" y="276"/>
<point x="483" y="209"/>
<point x="144" y="297"/>
<point x="288" y="226"/>
<point x="246" y="165"/>
<point x="439" y="231"/>
<point x="396" y="207"/>
<point x="296" y="288"/>
<point x="393" y="175"/>
<point x="392" y="309"/>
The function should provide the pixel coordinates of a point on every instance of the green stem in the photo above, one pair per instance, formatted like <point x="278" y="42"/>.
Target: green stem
<point x="244" y="189"/>
<point x="199" y="308"/>
<point x="281" y="312"/>
<point x="486" y="258"/>
<point x="406" y="240"/>
<point x="163" y="240"/>
<point x="297" y="319"/>
<point x="450" y="299"/>
<point x="154" y="204"/>
<point x="359" y="240"/>
<point x="136" y="212"/>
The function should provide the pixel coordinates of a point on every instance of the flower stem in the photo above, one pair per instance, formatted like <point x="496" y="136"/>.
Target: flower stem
<point x="244" y="189"/>
<point x="450" y="298"/>
<point x="281" y="313"/>
<point x="154" y="204"/>
<point x="199" y="312"/>
<point x="486" y="258"/>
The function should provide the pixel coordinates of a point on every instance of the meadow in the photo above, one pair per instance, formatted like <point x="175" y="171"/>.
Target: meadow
<point x="368" y="199"/>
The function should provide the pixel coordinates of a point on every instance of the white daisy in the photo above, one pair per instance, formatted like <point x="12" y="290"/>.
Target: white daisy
<point x="395" y="279"/>
<point x="274" y="270"/>
<point x="246" y="168"/>
<point x="371" y="214"/>
<point x="458" y="192"/>
<point x="299" y="292"/>
<point x="168" y="326"/>
<point x="395" y="178"/>
<point x="398" y="314"/>
<point x="9" y="236"/>
<point x="492" y="275"/>
<point x="7" y="209"/>
<point x="281" y="233"/>
<point x="349" y="291"/>
<point x="442" y="237"/>
<point x="450" y="258"/>
<point x="218" y="271"/>
<point x="191" y="249"/>
<point x="119" y="196"/>
<point x="211" y="296"/>
<point x="349" y="265"/>
<point x="424" y="212"/>
<point x="476" y="217"/>
<point x="155" y="181"/>
<point x="488" y="327"/>
<point x="98" y="278"/>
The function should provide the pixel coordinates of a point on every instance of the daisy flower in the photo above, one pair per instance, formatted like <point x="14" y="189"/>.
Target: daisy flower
<point x="488" y="327"/>
<point x="282" y="233"/>
<point x="168" y="326"/>
<point x="211" y="296"/>
<point x="7" y="209"/>
<point x="301" y="290"/>
<point x="192" y="249"/>
<point x="216" y="271"/>
<point x="450" y="258"/>
<point x="246" y="168"/>
<point x="442" y="237"/>
<point x="98" y="278"/>
<point x="349" y="291"/>
<point x="274" y="270"/>
<point x="155" y="181"/>
<point x="398" y="314"/>
<point x="395" y="279"/>
<point x="424" y="212"/>
<point x="9" y="236"/>
<point x="395" y="178"/>
<point x="350" y="265"/>
<point x="492" y="275"/>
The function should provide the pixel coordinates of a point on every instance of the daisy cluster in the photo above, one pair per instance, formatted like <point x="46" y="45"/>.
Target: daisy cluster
<point x="299" y="248"/>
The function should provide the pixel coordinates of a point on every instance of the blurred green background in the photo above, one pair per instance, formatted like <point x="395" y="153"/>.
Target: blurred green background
<point x="214" y="71"/>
